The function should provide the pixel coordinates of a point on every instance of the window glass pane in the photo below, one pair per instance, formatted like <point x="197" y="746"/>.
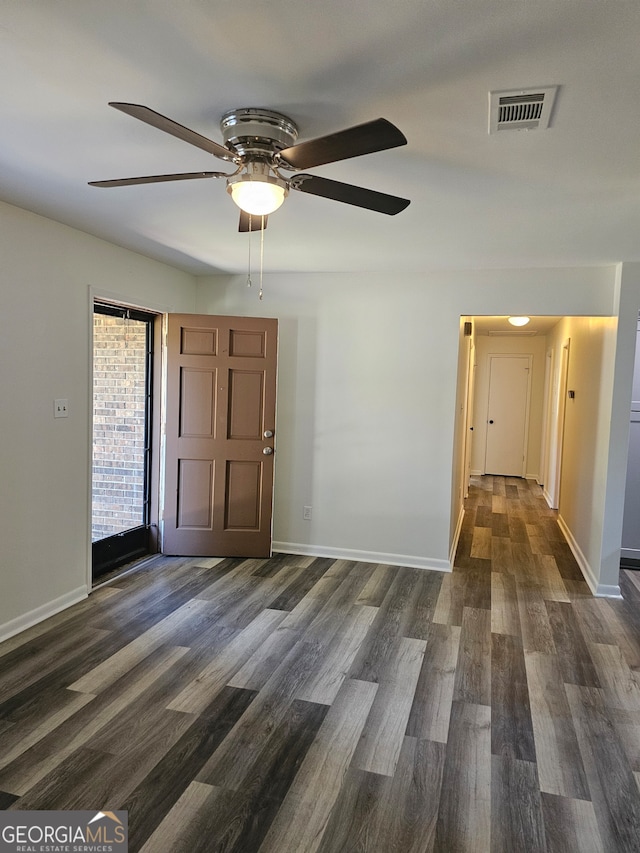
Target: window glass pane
<point x="119" y="400"/>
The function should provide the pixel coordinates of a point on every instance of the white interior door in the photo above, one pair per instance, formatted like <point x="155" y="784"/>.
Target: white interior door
<point x="507" y="414"/>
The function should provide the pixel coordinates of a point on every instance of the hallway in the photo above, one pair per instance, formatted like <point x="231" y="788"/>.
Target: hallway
<point x="562" y="683"/>
<point x="305" y="704"/>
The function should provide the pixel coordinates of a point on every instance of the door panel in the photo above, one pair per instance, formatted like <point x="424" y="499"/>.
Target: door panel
<point x="221" y="380"/>
<point x="507" y="415"/>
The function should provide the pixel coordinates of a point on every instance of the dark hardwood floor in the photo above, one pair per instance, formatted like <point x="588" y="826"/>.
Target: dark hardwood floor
<point x="299" y="704"/>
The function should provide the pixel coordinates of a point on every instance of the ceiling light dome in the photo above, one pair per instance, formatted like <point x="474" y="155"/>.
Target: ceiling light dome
<point x="519" y="321"/>
<point x="256" y="191"/>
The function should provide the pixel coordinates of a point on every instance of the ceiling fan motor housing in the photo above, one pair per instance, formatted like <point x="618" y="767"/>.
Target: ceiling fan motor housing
<point x="257" y="132"/>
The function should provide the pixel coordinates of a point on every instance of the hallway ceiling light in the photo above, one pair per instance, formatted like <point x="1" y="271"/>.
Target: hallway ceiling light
<point x="519" y="321"/>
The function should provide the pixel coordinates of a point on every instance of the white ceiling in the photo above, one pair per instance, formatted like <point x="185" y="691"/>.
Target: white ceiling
<point x="569" y="195"/>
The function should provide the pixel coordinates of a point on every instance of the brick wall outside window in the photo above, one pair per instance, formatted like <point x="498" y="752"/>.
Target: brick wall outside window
<point x="118" y="424"/>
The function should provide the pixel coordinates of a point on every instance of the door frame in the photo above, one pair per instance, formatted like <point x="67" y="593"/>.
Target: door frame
<point x="557" y="428"/>
<point x="543" y="476"/>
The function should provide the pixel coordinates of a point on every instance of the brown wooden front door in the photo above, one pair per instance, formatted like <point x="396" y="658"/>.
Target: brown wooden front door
<point x="221" y="402"/>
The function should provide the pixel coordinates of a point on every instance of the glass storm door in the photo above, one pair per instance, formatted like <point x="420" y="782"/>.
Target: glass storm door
<point x="122" y="362"/>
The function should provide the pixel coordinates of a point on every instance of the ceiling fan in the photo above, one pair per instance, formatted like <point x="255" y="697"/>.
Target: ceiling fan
<point x="261" y="144"/>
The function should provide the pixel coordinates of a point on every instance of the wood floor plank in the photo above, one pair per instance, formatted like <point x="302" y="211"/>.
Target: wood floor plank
<point x="537" y="635"/>
<point x="624" y="630"/>
<point x="199" y="692"/>
<point x="395" y="814"/>
<point x="501" y="553"/>
<point x="305" y="580"/>
<point x="550" y="579"/>
<point x="620" y="687"/>
<point x="464" y="815"/>
<point x="253" y="809"/>
<point x="431" y="709"/>
<point x="325" y="680"/>
<point x="592" y="619"/>
<point x="237" y="755"/>
<point x="150" y="802"/>
<point x="391" y="622"/>
<point x="51" y="751"/>
<point x="303" y="817"/>
<point x="180" y="830"/>
<point x="43" y="659"/>
<point x="511" y="725"/>
<point x="575" y="659"/>
<point x="613" y="788"/>
<point x="516" y="810"/>
<point x="559" y="759"/>
<point x="121" y="662"/>
<point x="383" y="733"/>
<point x="261" y="665"/>
<point x="499" y="524"/>
<point x="570" y="825"/>
<point x="239" y="820"/>
<point x="423" y="605"/>
<point x="450" y="601"/>
<point x="505" y="614"/>
<point x="473" y="672"/>
<point x="112" y="777"/>
<point x="22" y="738"/>
<point x="481" y="544"/>
<point x="375" y="589"/>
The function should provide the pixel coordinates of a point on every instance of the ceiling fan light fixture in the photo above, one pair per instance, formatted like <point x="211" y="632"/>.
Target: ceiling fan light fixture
<point x="257" y="193"/>
<point x="519" y="321"/>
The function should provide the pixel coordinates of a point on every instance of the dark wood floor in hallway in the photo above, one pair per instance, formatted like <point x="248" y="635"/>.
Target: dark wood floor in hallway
<point x="300" y="704"/>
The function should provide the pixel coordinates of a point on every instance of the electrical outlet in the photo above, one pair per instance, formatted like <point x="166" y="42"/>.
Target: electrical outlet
<point x="306" y="513"/>
<point x="61" y="408"/>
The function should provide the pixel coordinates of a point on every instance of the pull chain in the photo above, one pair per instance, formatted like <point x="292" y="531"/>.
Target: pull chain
<point x="261" y="256"/>
<point x="249" y="270"/>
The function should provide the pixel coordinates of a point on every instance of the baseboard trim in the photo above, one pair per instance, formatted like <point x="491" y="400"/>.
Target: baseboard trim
<point x="600" y="590"/>
<point x="547" y="497"/>
<point x="412" y="562"/>
<point x="39" y="614"/>
<point x="456" y="537"/>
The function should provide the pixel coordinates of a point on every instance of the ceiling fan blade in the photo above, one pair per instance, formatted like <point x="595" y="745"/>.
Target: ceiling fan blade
<point x="251" y="223"/>
<point x="377" y="135"/>
<point x="156" y="179"/>
<point x="169" y="126"/>
<point x="358" y="196"/>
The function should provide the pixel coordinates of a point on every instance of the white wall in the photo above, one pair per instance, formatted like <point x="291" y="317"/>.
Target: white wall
<point x="596" y="430"/>
<point x="47" y="270"/>
<point x="511" y="344"/>
<point x="586" y="432"/>
<point x="366" y="411"/>
<point x="627" y="306"/>
<point x="367" y="395"/>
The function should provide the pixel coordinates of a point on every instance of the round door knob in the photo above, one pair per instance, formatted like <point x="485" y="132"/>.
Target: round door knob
<point x="267" y="433"/>
<point x="267" y="451"/>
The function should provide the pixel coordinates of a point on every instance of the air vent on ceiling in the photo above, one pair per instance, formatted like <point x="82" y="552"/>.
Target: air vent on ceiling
<point x="521" y="109"/>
